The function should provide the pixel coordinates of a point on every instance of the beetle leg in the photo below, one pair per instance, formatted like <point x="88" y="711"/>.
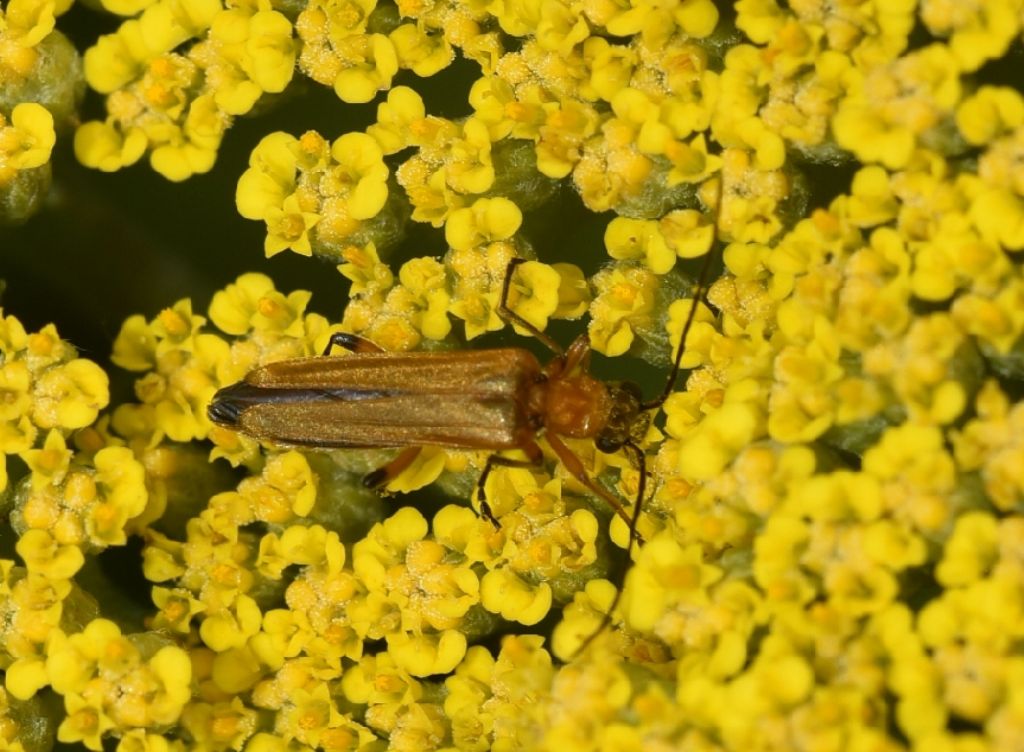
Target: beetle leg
<point x="384" y="475"/>
<point x="351" y="342"/>
<point x="578" y="354"/>
<point x="534" y="457"/>
<point x="514" y="318"/>
<point x="575" y="467"/>
<point x="699" y="291"/>
<point x="620" y="583"/>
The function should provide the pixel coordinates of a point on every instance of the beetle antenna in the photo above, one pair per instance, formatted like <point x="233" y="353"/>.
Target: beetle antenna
<point x="620" y="580"/>
<point x="699" y="292"/>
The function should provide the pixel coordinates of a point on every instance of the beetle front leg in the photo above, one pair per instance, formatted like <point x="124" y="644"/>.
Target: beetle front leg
<point x="574" y="465"/>
<point x="620" y="582"/>
<point x="514" y="318"/>
<point x="534" y="457"/>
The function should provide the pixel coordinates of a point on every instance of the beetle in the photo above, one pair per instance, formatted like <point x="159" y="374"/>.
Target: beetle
<point x="496" y="399"/>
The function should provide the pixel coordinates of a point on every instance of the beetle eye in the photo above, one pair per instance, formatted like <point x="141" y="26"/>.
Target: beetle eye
<point x="607" y="444"/>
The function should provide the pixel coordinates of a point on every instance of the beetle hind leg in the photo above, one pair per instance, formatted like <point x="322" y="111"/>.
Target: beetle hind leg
<point x="534" y="457"/>
<point x="352" y="343"/>
<point x="383" y="475"/>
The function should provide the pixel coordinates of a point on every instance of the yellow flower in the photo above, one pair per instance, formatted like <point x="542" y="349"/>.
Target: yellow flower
<point x="582" y="618"/>
<point x="270" y="178"/>
<point x="108" y="669"/>
<point x="686" y="234"/>
<point x="116" y="58"/>
<point x="611" y="67"/>
<point x="402" y="121"/>
<point x="423" y="280"/>
<point x="15" y="383"/>
<point x="28" y="140"/>
<point x="495" y="103"/>
<point x="29" y="22"/>
<point x="424" y="470"/>
<point x="104" y="146"/>
<point x="691" y="162"/>
<point x="989" y="444"/>
<point x="364" y="269"/>
<point x="665" y="575"/>
<point x="760" y="20"/>
<point x="231" y="627"/>
<point x="917" y="474"/>
<point x="564" y="133"/>
<point x="370" y="65"/>
<point x="533" y="293"/>
<point x="83" y="723"/>
<point x="166" y="25"/>
<point x="360" y="175"/>
<point x="50" y="464"/>
<point x="176" y="328"/>
<point x="233" y="308"/>
<point x="917" y="94"/>
<point x="971" y="551"/>
<point x="135" y="345"/>
<point x="269" y="50"/>
<point x="560" y="28"/>
<point x="70" y="395"/>
<point x="573" y="292"/>
<point x="978" y="31"/>
<point x="990" y="112"/>
<point x="504" y="593"/>
<point x="999" y="217"/>
<point x="421" y="52"/>
<point x="44" y="555"/>
<point x="871" y="201"/>
<point x="176" y="607"/>
<point x="714" y="441"/>
<point x="470" y="169"/>
<point x="290" y="474"/>
<point x="624" y="304"/>
<point x="121" y="482"/>
<point x="628" y="239"/>
<point x="485" y="221"/>
<point x="427" y="655"/>
<point x="288" y="228"/>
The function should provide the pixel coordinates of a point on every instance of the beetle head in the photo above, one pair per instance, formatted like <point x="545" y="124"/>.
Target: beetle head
<point x="627" y="420"/>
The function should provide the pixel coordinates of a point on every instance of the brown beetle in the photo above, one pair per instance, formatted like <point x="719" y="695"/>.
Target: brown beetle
<point x="495" y="399"/>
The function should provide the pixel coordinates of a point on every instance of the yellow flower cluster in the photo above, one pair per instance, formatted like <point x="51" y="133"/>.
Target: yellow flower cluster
<point x="44" y="387"/>
<point x="40" y="83"/>
<point x="830" y="548"/>
<point x="314" y="195"/>
<point x="185" y="365"/>
<point x="400" y="314"/>
<point x="65" y="511"/>
<point x="37" y="63"/>
<point x="111" y="681"/>
<point x="174" y="103"/>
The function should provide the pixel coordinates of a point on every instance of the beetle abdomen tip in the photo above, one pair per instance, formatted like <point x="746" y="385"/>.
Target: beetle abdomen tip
<point x="228" y="404"/>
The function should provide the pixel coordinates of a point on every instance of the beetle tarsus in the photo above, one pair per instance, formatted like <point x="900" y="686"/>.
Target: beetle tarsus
<point x="487" y="514"/>
<point x="352" y="343"/>
<point x="376" y="478"/>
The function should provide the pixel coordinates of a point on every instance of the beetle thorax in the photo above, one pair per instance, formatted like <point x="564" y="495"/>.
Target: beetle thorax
<point x="575" y="406"/>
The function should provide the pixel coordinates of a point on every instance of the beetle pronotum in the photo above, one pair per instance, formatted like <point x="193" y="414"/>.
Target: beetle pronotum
<point x="497" y="399"/>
